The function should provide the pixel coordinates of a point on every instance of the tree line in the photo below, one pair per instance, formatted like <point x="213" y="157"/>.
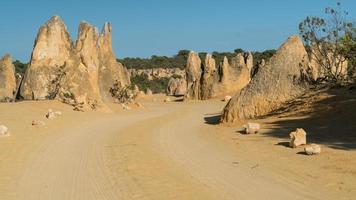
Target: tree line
<point x="180" y="59"/>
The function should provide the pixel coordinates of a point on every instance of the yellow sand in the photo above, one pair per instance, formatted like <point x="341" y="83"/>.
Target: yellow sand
<point x="162" y="152"/>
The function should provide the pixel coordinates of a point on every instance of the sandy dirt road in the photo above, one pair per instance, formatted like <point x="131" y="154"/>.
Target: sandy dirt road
<point x="166" y="151"/>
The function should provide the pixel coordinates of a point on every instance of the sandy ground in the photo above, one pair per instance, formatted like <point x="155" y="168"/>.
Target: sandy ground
<point x="165" y="151"/>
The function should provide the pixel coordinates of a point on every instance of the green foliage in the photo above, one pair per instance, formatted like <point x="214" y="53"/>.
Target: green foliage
<point x="239" y="50"/>
<point x="157" y="85"/>
<point x="122" y="94"/>
<point x="176" y="76"/>
<point x="348" y="50"/>
<point x="177" y="61"/>
<point x="331" y="40"/>
<point x="20" y="67"/>
<point x="180" y="60"/>
<point x="265" y="55"/>
<point x="219" y="57"/>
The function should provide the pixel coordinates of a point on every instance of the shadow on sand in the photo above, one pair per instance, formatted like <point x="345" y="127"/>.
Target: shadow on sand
<point x="212" y="118"/>
<point x="328" y="117"/>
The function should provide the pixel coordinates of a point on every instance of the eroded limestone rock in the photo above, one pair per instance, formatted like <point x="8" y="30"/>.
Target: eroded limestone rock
<point x="279" y="81"/>
<point x="81" y="75"/>
<point x="7" y="79"/>
<point x="298" y="137"/>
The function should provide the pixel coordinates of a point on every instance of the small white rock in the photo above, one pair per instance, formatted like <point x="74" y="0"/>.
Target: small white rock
<point x="227" y="98"/>
<point x="312" y="149"/>
<point x="298" y="137"/>
<point x="58" y="113"/>
<point x="251" y="128"/>
<point x="51" y="115"/>
<point x="4" y="131"/>
<point x="125" y="107"/>
<point x="38" y="123"/>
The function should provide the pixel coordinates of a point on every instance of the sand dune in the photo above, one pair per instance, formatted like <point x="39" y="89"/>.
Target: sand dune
<point x="165" y="151"/>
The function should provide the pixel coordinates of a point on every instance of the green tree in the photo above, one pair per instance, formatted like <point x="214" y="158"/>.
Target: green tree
<point x="20" y="67"/>
<point x="329" y="39"/>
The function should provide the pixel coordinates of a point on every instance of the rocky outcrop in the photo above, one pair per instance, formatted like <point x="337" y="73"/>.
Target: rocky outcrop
<point x="193" y="75"/>
<point x="209" y="78"/>
<point x="158" y="73"/>
<point x="298" y="137"/>
<point x="53" y="48"/>
<point x="177" y="87"/>
<point x="319" y="64"/>
<point x="7" y="79"/>
<point x="79" y="82"/>
<point x="312" y="149"/>
<point x="277" y="82"/>
<point x="234" y="76"/>
<point x="110" y="71"/>
<point x="80" y="74"/>
<point x="215" y="81"/>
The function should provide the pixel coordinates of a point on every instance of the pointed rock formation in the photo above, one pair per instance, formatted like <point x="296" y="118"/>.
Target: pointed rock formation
<point x="207" y="81"/>
<point x="193" y="75"/>
<point x="209" y="78"/>
<point x="52" y="50"/>
<point x="318" y="65"/>
<point x="177" y="87"/>
<point x="249" y="61"/>
<point x="233" y="77"/>
<point x="224" y="71"/>
<point x="280" y="80"/>
<point x="81" y="75"/>
<point x="110" y="71"/>
<point x="80" y="82"/>
<point x="7" y="79"/>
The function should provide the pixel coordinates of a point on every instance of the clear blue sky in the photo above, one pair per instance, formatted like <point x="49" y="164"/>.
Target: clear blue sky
<point x="142" y="28"/>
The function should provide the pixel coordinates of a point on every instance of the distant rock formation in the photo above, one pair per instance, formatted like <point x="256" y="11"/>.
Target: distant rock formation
<point x="277" y="82"/>
<point x="318" y="63"/>
<point x="110" y="71"/>
<point x="207" y="80"/>
<point x="193" y="75"/>
<point x="158" y="73"/>
<point x="177" y="87"/>
<point x="53" y="48"/>
<point x="7" y="79"/>
<point x="234" y="76"/>
<point x="80" y="74"/>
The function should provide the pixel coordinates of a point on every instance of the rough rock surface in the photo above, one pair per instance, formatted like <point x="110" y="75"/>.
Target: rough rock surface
<point x="312" y="149"/>
<point x="209" y="78"/>
<point x="217" y="82"/>
<point x="279" y="81"/>
<point x="53" y="48"/>
<point x="298" y="137"/>
<point x="149" y="92"/>
<point x="38" y="123"/>
<point x="158" y="73"/>
<point x="317" y="71"/>
<point x="7" y="79"/>
<point x="79" y="84"/>
<point x="110" y="71"/>
<point x="252" y="128"/>
<point x="193" y="75"/>
<point x="234" y="76"/>
<point x="81" y="74"/>
<point x="53" y="114"/>
<point x="227" y="98"/>
<point x="177" y="87"/>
